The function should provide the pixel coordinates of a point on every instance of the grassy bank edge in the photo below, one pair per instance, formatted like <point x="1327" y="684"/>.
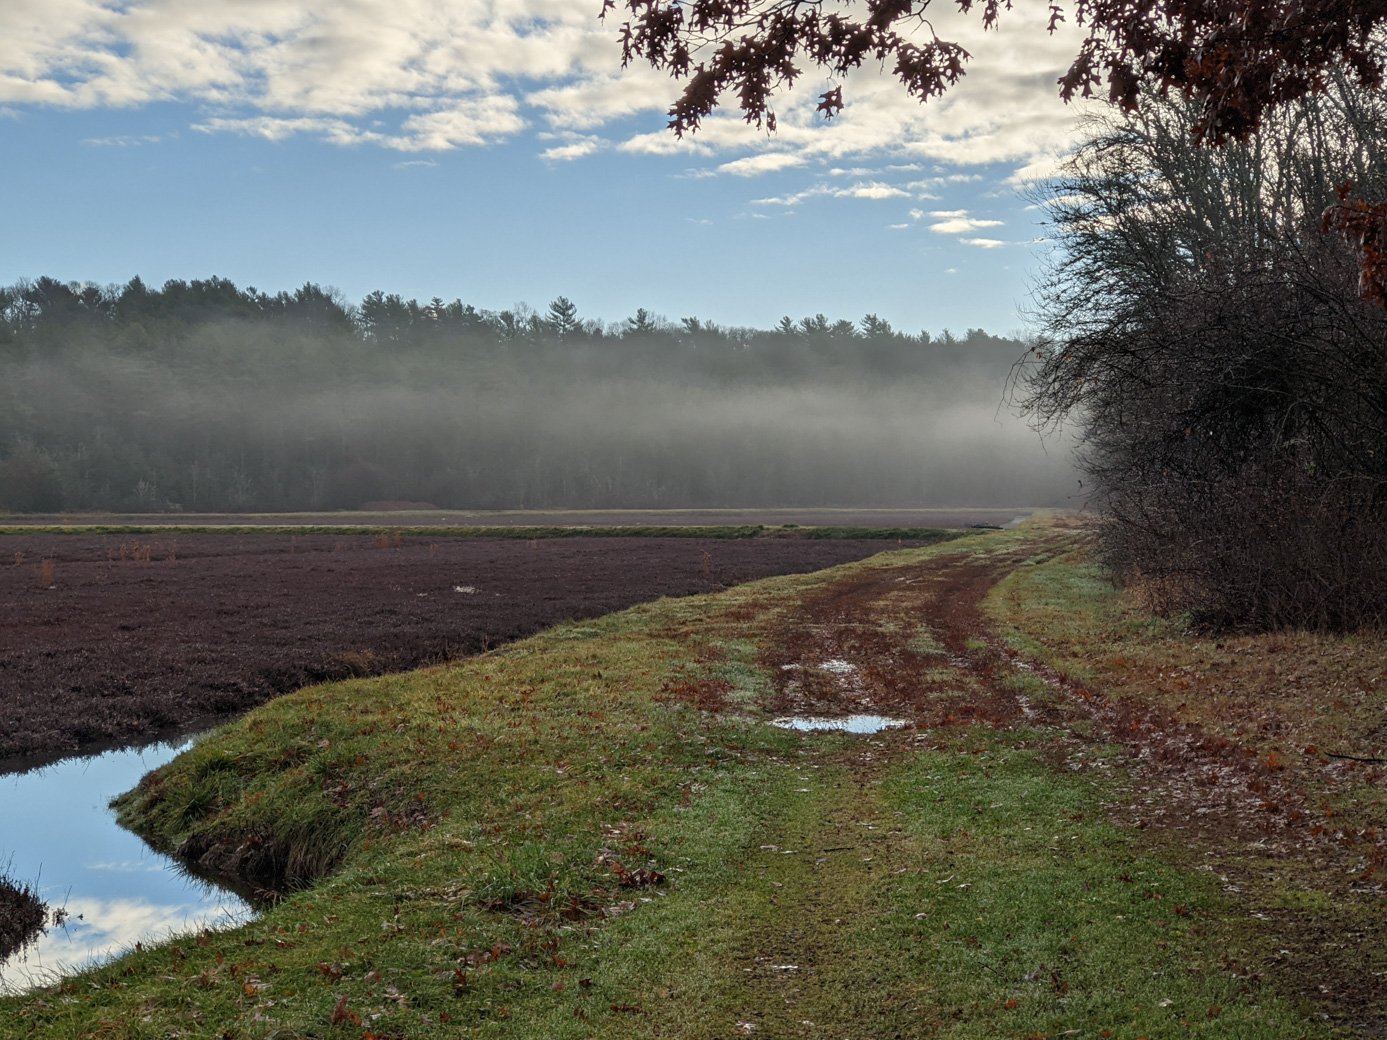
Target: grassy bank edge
<point x="518" y="782"/>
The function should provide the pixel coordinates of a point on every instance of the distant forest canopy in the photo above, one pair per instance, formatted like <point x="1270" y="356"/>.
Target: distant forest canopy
<point x="201" y="396"/>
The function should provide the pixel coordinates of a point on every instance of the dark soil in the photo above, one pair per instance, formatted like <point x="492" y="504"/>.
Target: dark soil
<point x="22" y="916"/>
<point x="112" y="639"/>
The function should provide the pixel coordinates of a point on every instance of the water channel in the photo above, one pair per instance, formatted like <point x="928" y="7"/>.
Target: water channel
<point x="58" y="833"/>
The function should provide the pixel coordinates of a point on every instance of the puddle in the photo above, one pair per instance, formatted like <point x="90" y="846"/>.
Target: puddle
<point x="57" y="833"/>
<point x="845" y="724"/>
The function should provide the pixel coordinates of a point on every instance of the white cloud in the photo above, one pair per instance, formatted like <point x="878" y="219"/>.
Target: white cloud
<point x="271" y="128"/>
<point x="984" y="243"/>
<point x="957" y="222"/>
<point x="121" y="141"/>
<point x="791" y="200"/>
<point x="472" y="121"/>
<point x="432" y="75"/>
<point x="445" y="72"/>
<point x="766" y="162"/>
<point x="874" y="190"/>
<point x="489" y="119"/>
<point x="599" y="98"/>
<point x="576" y="148"/>
<point x="662" y="142"/>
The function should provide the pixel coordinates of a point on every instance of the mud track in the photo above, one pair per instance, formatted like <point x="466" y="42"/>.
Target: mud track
<point x="1203" y="802"/>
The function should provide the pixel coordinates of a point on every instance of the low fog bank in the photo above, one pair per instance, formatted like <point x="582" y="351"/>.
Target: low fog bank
<point x="201" y="410"/>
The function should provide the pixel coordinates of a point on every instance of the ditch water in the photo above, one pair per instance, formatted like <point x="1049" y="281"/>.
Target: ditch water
<point x="847" y="724"/>
<point x="58" y="833"/>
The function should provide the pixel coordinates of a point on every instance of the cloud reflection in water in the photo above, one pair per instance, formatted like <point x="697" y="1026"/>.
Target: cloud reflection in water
<point x="57" y="831"/>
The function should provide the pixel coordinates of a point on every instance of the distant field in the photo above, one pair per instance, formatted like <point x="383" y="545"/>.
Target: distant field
<point x="884" y="518"/>
<point x="116" y="638"/>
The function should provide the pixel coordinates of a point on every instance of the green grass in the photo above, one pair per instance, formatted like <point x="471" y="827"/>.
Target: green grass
<point x="493" y="832"/>
<point x="1041" y="917"/>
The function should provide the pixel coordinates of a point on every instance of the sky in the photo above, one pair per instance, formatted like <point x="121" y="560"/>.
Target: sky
<point x="495" y="151"/>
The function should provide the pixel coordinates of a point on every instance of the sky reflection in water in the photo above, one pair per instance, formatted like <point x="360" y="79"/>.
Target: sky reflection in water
<point x="56" y="831"/>
<point x="847" y="724"/>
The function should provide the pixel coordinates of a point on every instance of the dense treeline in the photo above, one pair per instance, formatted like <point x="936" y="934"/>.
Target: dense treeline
<point x="202" y="395"/>
<point x="1213" y="344"/>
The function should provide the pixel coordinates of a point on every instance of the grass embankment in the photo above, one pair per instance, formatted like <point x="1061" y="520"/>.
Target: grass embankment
<point x="528" y="534"/>
<point x="562" y="839"/>
<point x="1282" y="692"/>
<point x="1296" y="831"/>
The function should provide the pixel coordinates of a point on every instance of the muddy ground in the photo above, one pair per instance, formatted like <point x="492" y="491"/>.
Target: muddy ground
<point x="1202" y="801"/>
<point x="114" y="639"/>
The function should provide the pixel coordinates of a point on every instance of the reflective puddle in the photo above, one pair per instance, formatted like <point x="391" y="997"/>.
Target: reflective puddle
<point x="57" y="833"/>
<point x="845" y="724"/>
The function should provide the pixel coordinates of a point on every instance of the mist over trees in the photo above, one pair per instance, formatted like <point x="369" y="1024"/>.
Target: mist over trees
<point x="1214" y="347"/>
<point x="204" y="396"/>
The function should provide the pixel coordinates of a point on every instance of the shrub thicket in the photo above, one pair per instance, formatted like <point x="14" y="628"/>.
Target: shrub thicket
<point x="1229" y="384"/>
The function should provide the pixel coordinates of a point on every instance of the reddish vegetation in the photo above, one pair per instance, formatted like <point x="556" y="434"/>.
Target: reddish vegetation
<point x="110" y="639"/>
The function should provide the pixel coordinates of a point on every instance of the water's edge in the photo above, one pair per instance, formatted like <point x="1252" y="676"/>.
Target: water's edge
<point x="106" y="887"/>
<point x="177" y="734"/>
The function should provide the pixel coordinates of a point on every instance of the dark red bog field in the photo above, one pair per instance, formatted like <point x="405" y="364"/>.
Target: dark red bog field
<point x="117" y="639"/>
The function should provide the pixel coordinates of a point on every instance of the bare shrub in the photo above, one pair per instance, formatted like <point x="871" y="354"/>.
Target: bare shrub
<point x="1230" y="384"/>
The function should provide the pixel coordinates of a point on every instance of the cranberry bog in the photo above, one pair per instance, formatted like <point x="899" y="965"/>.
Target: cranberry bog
<point x="133" y="634"/>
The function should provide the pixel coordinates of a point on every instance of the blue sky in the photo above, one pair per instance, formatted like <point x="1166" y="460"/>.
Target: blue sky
<point x="493" y="150"/>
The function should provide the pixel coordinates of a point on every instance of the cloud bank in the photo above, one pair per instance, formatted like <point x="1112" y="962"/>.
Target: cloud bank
<point x="429" y="76"/>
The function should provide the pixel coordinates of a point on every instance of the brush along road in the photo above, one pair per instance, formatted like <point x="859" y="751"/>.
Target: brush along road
<point x="597" y="832"/>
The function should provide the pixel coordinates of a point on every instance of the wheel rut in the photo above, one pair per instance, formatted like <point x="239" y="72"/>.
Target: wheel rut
<point x="895" y="642"/>
<point x="913" y="643"/>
